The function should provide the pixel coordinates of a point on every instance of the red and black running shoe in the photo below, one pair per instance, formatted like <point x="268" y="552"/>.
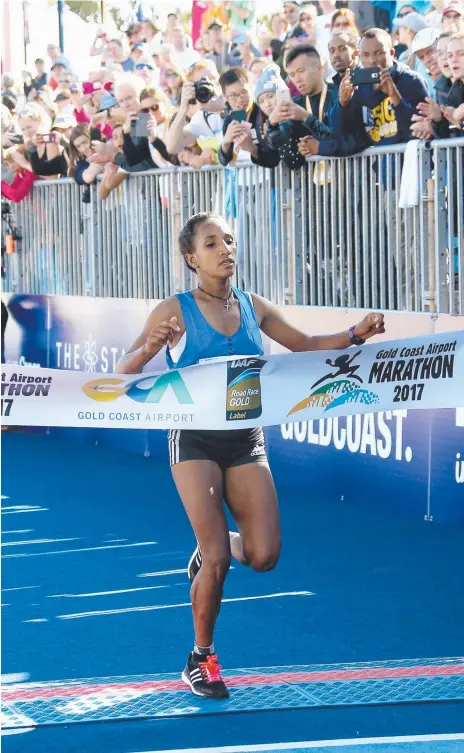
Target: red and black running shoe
<point x="203" y="676"/>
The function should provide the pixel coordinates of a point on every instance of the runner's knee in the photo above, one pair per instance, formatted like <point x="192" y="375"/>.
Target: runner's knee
<point x="263" y="561"/>
<point x="217" y="564"/>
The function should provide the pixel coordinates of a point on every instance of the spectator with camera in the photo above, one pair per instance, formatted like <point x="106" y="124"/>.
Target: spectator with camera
<point x="46" y="151"/>
<point x="300" y="127"/>
<point x="201" y="87"/>
<point x="44" y="145"/>
<point x="145" y="132"/>
<point x="380" y="97"/>
<point x="244" y="135"/>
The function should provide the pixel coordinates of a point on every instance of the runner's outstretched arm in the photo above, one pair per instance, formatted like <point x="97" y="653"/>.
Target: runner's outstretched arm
<point x="273" y="323"/>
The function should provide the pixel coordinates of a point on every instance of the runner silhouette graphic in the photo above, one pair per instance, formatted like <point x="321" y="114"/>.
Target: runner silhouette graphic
<point x="343" y="364"/>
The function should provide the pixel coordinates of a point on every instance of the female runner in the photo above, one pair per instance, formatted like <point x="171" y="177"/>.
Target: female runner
<point x="209" y="467"/>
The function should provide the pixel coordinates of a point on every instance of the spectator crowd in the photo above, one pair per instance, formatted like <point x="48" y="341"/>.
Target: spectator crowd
<point x="312" y="79"/>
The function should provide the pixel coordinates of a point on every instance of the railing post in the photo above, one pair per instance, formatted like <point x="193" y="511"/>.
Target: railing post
<point x="185" y="211"/>
<point x="441" y="251"/>
<point x="296" y="273"/>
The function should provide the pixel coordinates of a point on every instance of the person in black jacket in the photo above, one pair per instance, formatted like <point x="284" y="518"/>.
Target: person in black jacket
<point x="147" y="152"/>
<point x="49" y="159"/>
<point x="307" y="117"/>
<point x="244" y="138"/>
<point x="382" y="111"/>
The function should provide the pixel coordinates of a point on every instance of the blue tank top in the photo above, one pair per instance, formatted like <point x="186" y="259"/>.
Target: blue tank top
<point x="203" y="341"/>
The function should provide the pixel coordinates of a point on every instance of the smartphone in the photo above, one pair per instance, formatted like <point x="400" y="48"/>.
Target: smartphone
<point x="365" y="76"/>
<point x="49" y="138"/>
<point x="239" y="115"/>
<point x="283" y="95"/>
<point x="141" y="127"/>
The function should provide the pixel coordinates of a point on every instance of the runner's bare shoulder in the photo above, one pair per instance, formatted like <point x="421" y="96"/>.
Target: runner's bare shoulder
<point x="163" y="312"/>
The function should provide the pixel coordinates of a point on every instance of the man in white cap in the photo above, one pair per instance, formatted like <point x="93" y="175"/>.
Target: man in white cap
<point x="424" y="46"/>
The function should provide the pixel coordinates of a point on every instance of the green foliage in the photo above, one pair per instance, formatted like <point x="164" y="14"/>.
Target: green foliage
<point x="89" y="10"/>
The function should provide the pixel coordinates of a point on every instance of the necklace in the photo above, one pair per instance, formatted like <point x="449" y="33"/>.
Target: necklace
<point x="227" y="303"/>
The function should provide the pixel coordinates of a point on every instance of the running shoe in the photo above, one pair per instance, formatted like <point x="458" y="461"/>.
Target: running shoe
<point x="194" y="564"/>
<point x="203" y="676"/>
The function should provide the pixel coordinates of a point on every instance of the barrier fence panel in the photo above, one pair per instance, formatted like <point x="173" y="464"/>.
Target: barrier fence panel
<point x="331" y="234"/>
<point x="448" y="158"/>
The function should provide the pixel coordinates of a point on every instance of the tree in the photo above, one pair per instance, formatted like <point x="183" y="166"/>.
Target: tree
<point x="89" y="10"/>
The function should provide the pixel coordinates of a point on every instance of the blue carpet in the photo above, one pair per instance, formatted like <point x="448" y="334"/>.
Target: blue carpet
<point x="385" y="588"/>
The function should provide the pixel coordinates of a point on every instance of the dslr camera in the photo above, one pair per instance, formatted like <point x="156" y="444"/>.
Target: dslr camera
<point x="204" y="91"/>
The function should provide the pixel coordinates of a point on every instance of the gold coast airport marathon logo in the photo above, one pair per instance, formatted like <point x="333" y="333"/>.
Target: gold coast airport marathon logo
<point x="330" y="391"/>
<point x="243" y="399"/>
<point x="149" y="389"/>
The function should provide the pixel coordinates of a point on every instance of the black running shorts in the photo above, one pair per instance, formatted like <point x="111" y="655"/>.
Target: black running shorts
<point x="226" y="448"/>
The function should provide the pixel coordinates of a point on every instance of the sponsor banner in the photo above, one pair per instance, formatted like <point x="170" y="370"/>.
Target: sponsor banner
<point x="244" y="392"/>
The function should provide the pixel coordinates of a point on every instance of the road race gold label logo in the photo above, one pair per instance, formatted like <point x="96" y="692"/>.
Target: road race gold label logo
<point x="335" y="393"/>
<point x="149" y="389"/>
<point x="243" y="399"/>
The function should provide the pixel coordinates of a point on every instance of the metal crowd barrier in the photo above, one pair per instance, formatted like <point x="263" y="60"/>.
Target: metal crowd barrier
<point x="331" y="234"/>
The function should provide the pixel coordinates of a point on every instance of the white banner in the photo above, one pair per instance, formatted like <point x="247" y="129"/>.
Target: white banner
<point x="243" y="392"/>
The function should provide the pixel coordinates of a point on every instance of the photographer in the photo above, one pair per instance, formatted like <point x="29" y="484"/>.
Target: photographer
<point x="46" y="150"/>
<point x="244" y="139"/>
<point x="300" y="127"/>
<point x="383" y="110"/>
<point x="201" y="87"/>
<point x="145" y="132"/>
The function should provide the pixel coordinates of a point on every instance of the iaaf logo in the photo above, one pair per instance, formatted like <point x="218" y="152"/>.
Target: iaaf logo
<point x="243" y="399"/>
<point x="342" y="391"/>
<point x="149" y="389"/>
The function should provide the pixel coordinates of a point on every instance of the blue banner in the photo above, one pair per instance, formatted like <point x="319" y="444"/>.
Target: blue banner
<point x="410" y="462"/>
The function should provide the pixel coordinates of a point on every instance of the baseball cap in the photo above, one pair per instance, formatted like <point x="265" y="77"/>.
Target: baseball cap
<point x="217" y="24"/>
<point x="453" y="8"/>
<point x="107" y="102"/>
<point x="425" y="38"/>
<point x="59" y="61"/>
<point x="64" y="121"/>
<point x="136" y="46"/>
<point x="414" y="21"/>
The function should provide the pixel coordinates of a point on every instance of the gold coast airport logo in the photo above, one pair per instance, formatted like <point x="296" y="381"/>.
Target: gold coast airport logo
<point x="330" y="391"/>
<point x="150" y="389"/>
<point x="244" y="389"/>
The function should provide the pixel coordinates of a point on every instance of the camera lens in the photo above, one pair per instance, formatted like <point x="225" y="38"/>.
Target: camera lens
<point x="204" y="90"/>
